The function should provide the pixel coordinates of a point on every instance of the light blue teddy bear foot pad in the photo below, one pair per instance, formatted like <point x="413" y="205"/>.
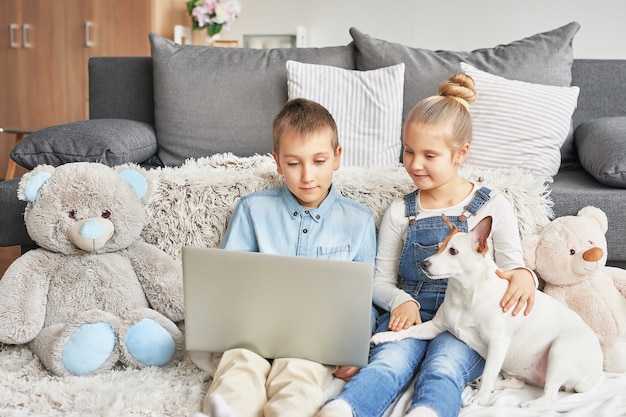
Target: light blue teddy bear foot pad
<point x="88" y="348"/>
<point x="150" y="343"/>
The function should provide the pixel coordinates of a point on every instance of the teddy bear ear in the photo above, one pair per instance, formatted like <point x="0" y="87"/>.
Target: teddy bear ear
<point x="529" y="248"/>
<point x="137" y="180"/>
<point x="597" y="215"/>
<point x="31" y="182"/>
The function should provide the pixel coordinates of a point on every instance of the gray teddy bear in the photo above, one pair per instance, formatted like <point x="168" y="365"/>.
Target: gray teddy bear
<point x="93" y="294"/>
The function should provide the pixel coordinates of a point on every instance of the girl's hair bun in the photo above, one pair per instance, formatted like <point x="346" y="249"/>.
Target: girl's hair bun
<point x="459" y="87"/>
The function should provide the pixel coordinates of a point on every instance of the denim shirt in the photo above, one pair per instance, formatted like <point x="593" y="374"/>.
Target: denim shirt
<point x="272" y="221"/>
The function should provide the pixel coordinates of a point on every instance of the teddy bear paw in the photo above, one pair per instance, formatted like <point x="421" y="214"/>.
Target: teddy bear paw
<point x="149" y="343"/>
<point x="90" y="346"/>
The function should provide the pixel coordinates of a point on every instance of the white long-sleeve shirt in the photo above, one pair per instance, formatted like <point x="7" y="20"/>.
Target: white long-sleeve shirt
<point x="504" y="242"/>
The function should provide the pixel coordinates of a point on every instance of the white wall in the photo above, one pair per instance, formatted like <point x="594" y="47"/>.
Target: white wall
<point x="440" y="24"/>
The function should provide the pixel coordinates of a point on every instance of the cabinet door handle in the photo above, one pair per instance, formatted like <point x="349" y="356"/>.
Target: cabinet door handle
<point x="25" y="28"/>
<point x="88" y="42"/>
<point x="12" y="42"/>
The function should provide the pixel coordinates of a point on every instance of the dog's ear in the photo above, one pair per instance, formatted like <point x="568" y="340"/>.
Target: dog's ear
<point x="480" y="233"/>
<point x="447" y="221"/>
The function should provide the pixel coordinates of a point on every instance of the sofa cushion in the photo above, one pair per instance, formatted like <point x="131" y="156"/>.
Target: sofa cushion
<point x="108" y="141"/>
<point x="601" y="147"/>
<point x="366" y="105"/>
<point x="544" y="58"/>
<point x="210" y="100"/>
<point x="519" y="124"/>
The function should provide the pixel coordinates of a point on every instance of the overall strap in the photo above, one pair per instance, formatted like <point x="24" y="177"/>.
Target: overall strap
<point x="410" y="206"/>
<point x="480" y="198"/>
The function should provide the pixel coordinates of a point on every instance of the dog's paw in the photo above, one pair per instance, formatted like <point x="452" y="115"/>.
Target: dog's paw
<point x="473" y="400"/>
<point x="480" y="398"/>
<point x="545" y="399"/>
<point x="382" y="337"/>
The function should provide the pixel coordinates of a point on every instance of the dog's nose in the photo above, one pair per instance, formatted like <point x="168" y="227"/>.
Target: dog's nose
<point x="425" y="264"/>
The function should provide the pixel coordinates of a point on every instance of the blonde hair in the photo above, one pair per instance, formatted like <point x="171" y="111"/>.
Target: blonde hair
<point x="449" y="107"/>
<point x="304" y="116"/>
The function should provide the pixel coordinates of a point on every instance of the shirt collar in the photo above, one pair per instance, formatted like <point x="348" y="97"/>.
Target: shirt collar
<point x="295" y="209"/>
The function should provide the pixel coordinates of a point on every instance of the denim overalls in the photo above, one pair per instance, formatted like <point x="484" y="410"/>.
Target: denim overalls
<point x="423" y="237"/>
<point x="445" y="364"/>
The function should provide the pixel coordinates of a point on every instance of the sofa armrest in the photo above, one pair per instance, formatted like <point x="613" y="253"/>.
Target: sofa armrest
<point x="108" y="141"/>
<point x="12" y="229"/>
<point x="601" y="145"/>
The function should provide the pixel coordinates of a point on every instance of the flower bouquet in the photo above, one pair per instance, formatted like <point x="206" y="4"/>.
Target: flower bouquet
<point x="213" y="14"/>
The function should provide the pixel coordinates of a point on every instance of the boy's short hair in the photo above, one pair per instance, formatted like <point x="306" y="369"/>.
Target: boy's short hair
<point x="304" y="116"/>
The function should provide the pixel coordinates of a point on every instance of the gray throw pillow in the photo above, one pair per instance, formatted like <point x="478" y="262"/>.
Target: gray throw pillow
<point x="211" y="100"/>
<point x="108" y="141"/>
<point x="544" y="58"/>
<point x="601" y="147"/>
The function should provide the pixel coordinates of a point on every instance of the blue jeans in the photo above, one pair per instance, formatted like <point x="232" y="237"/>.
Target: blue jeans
<point x="445" y="364"/>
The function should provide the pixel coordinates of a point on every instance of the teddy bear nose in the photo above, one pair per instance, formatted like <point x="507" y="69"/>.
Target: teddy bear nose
<point x="92" y="230"/>
<point x="593" y="254"/>
<point x="91" y="234"/>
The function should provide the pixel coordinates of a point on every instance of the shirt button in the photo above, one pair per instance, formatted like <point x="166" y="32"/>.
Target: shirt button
<point x="305" y="231"/>
<point x="317" y="217"/>
<point x="306" y="211"/>
<point x="295" y="213"/>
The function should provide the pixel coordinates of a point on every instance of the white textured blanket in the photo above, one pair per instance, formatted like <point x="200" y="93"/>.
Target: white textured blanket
<point x="191" y="205"/>
<point x="608" y="399"/>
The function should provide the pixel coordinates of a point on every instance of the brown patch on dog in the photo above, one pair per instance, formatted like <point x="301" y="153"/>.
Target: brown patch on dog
<point x="453" y="231"/>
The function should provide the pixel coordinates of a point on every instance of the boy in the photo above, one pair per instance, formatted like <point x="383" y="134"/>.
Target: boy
<point x="304" y="217"/>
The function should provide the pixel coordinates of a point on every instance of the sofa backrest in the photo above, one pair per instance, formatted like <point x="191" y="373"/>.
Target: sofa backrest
<point x="601" y="83"/>
<point x="121" y="87"/>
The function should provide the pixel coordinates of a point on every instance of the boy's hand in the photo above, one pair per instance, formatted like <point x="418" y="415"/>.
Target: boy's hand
<point x="521" y="290"/>
<point x="346" y="372"/>
<point x="404" y="316"/>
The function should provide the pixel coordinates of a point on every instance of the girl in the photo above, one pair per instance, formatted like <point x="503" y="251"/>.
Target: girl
<point x="437" y="136"/>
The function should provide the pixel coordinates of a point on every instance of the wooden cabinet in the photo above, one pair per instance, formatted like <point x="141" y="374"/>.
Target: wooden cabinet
<point x="45" y="46"/>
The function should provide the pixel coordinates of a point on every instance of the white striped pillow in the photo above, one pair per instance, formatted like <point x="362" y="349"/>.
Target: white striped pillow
<point x="519" y="124"/>
<point x="366" y="105"/>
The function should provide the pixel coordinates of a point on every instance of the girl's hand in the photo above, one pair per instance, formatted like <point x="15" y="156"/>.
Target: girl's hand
<point x="521" y="290"/>
<point x="404" y="316"/>
<point x="346" y="372"/>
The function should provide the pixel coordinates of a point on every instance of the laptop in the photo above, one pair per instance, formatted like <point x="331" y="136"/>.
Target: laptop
<point x="277" y="306"/>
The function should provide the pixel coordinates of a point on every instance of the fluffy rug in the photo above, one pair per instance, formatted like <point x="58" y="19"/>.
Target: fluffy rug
<point x="27" y="389"/>
<point x="191" y="205"/>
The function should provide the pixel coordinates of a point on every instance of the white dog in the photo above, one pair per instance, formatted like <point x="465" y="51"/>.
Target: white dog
<point x="551" y="347"/>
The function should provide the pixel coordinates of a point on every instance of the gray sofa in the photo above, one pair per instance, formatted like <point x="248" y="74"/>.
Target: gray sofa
<point x="136" y="102"/>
